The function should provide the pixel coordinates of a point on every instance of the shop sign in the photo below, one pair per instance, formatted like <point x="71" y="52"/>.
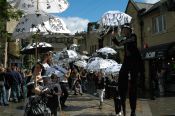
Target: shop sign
<point x="150" y="55"/>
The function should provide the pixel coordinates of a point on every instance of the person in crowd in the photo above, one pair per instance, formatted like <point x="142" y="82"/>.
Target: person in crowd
<point x="91" y="84"/>
<point x="72" y="78"/>
<point x="95" y="79"/>
<point x="101" y="87"/>
<point x="131" y="66"/>
<point x="161" y="80"/>
<point x="28" y="75"/>
<point x="83" y="76"/>
<point x="16" y="84"/>
<point x="47" y="60"/>
<point x="21" y="72"/>
<point x="64" y="96"/>
<point x="68" y="75"/>
<point x="113" y="86"/>
<point x="107" y="90"/>
<point x="53" y="95"/>
<point x="153" y="81"/>
<point x="9" y="81"/>
<point x="35" y="82"/>
<point x="77" y="83"/>
<point x="3" y="98"/>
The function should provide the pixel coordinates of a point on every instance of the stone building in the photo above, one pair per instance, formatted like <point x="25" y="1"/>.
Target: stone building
<point x="154" y="26"/>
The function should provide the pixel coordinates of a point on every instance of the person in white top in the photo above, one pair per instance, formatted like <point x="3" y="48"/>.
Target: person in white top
<point x="47" y="60"/>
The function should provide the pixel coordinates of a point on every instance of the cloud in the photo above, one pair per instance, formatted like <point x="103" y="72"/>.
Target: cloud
<point x="76" y="24"/>
<point x="151" y="1"/>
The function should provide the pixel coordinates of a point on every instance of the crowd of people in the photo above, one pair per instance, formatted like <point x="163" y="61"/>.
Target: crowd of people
<point x="53" y="90"/>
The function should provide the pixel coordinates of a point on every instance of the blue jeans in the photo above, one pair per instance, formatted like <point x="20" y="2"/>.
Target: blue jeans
<point x="15" y="91"/>
<point x="3" y="97"/>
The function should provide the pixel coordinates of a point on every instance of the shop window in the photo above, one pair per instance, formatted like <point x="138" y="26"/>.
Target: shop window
<point x="159" y="24"/>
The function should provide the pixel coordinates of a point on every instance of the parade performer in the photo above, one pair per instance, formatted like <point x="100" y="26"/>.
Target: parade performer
<point x="130" y="67"/>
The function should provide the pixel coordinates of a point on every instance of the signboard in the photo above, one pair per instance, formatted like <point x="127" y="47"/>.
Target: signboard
<point x="150" y="54"/>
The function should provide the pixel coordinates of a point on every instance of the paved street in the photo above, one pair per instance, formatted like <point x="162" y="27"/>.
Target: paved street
<point x="87" y="105"/>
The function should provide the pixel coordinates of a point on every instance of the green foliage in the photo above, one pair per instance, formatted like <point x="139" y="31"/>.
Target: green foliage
<point x="7" y="13"/>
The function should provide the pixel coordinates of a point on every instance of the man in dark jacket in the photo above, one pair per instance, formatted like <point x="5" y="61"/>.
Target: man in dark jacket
<point x="17" y="79"/>
<point x="130" y="68"/>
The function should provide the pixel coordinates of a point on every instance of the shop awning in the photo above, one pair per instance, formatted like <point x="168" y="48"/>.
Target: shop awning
<point x="159" y="51"/>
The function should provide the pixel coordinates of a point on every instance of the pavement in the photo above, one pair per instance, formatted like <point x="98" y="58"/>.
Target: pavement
<point x="87" y="105"/>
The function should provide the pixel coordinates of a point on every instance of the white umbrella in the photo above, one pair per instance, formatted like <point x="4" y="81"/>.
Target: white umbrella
<point x="41" y="23"/>
<point x="84" y="57"/>
<point x="52" y="70"/>
<point x="81" y="63"/>
<point x="94" y="58"/>
<point x="71" y="54"/>
<point x="42" y="47"/>
<point x="114" y="18"/>
<point x="113" y="62"/>
<point x="60" y="68"/>
<point x="114" y="69"/>
<point x="97" y="65"/>
<point x="107" y="50"/>
<point x="66" y="56"/>
<point x="74" y="47"/>
<point x="49" y="6"/>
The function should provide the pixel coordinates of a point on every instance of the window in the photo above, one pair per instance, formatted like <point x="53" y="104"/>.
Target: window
<point x="159" y="24"/>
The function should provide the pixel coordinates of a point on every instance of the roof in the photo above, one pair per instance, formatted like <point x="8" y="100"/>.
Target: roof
<point x="155" y="6"/>
<point x="145" y="6"/>
<point x="139" y="5"/>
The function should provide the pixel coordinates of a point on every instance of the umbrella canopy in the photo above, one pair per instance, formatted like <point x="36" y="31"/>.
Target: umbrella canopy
<point x="84" y="57"/>
<point x="114" y="69"/>
<point x="49" y="6"/>
<point x="74" y="47"/>
<point x="113" y="62"/>
<point x="71" y="54"/>
<point x="60" y="68"/>
<point x="81" y="63"/>
<point x="42" y="47"/>
<point x="52" y="70"/>
<point x="93" y="59"/>
<point x="107" y="50"/>
<point x="41" y="23"/>
<point x="98" y="64"/>
<point x="114" y="18"/>
<point x="65" y="56"/>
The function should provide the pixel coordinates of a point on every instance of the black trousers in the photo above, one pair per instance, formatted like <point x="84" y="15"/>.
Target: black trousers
<point x="63" y="98"/>
<point x="125" y="83"/>
<point x="117" y="104"/>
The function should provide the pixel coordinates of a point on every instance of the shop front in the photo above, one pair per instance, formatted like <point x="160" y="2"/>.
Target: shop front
<point x="157" y="58"/>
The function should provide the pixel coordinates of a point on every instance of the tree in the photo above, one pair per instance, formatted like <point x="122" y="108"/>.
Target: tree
<point x="6" y="13"/>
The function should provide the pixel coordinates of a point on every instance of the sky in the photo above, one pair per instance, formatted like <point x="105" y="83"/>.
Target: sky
<point x="80" y="12"/>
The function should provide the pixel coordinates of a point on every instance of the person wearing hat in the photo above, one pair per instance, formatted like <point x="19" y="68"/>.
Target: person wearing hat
<point x="130" y="68"/>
